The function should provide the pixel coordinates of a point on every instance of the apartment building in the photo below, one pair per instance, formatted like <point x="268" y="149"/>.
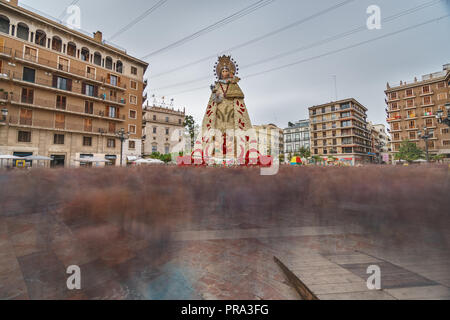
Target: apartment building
<point x="162" y="130"/>
<point x="339" y="129"/>
<point x="381" y="143"/>
<point x="412" y="106"/>
<point x="67" y="94"/>
<point x="296" y="136"/>
<point x="266" y="135"/>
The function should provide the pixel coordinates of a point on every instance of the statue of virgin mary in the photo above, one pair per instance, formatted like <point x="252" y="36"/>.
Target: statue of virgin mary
<point x="227" y="133"/>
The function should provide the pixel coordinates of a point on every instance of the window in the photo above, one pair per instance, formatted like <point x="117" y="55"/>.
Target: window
<point x="154" y="148"/>
<point x="167" y="131"/>
<point x="90" y="72"/>
<point x="27" y="95"/>
<point x="412" y="135"/>
<point x="132" y="129"/>
<point x="62" y="83"/>
<point x="119" y="66"/>
<point x="133" y="99"/>
<point x="426" y="89"/>
<point x="154" y="118"/>
<point x="393" y="95"/>
<point x="88" y="107"/>
<point x="71" y="49"/>
<point x="167" y="149"/>
<point x="97" y="59"/>
<point x="347" y="123"/>
<point x="111" y="143"/>
<point x="441" y="85"/>
<point x="429" y="122"/>
<point x="60" y="121"/>
<point x="445" y="131"/>
<point x="4" y="24"/>
<point x="61" y="102"/>
<point x="113" y="80"/>
<point x="133" y="114"/>
<point x="112" y="112"/>
<point x="134" y="71"/>
<point x="58" y="139"/>
<point x="57" y="44"/>
<point x="108" y="63"/>
<point x="88" y="125"/>
<point x="167" y="119"/>
<point x="133" y="85"/>
<point x="154" y="130"/>
<point x="131" y="145"/>
<point x="29" y="75"/>
<point x="409" y="92"/>
<point x="24" y="136"/>
<point x="23" y="32"/>
<point x="112" y="127"/>
<point x="410" y="103"/>
<point x="63" y="64"/>
<point x="84" y="54"/>
<point x="412" y="124"/>
<point x="87" y="141"/>
<point x="442" y="96"/>
<point x="426" y="100"/>
<point x="90" y="90"/>
<point x="40" y="38"/>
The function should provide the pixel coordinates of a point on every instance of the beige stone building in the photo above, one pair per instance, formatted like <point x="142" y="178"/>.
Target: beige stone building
<point x="381" y="143"/>
<point x="339" y="129"/>
<point x="162" y="130"/>
<point x="265" y="133"/>
<point x="66" y="93"/>
<point x="412" y="106"/>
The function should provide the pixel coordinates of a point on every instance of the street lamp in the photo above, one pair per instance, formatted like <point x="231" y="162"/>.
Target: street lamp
<point x="441" y="117"/>
<point x="4" y="114"/>
<point x="123" y="136"/>
<point x="425" y="135"/>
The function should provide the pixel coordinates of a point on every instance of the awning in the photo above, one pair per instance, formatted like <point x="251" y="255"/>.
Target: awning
<point x="38" y="158"/>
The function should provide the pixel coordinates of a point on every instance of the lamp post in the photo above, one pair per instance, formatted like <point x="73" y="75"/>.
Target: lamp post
<point x="123" y="136"/>
<point x="425" y="135"/>
<point x="440" y="115"/>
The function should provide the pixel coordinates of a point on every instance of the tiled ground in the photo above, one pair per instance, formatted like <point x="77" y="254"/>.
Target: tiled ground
<point x="233" y="263"/>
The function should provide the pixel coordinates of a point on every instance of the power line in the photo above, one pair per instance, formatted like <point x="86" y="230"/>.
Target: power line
<point x="265" y="36"/>
<point x="138" y="19"/>
<point x="328" y="53"/>
<point x="315" y="44"/>
<point x="235" y="16"/>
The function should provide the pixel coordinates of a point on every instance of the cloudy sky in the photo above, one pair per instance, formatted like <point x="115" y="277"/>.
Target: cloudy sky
<point x="286" y="71"/>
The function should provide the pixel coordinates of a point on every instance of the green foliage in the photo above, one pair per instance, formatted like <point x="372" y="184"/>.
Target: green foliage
<point x="189" y="124"/>
<point x="163" y="157"/>
<point x="409" y="152"/>
<point x="305" y="153"/>
<point x="439" y="157"/>
<point x="282" y="158"/>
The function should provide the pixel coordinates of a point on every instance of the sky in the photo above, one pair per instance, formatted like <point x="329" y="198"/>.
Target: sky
<point x="284" y="94"/>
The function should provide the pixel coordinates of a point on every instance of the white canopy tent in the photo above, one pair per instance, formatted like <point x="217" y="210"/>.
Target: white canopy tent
<point x="8" y="157"/>
<point x="148" y="161"/>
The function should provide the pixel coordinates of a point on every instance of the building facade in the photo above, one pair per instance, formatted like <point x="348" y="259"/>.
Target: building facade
<point x="67" y="94"/>
<point x="269" y="135"/>
<point x="163" y="130"/>
<point x="413" y="106"/>
<point x="381" y="143"/>
<point x="296" y="136"/>
<point x="339" y="129"/>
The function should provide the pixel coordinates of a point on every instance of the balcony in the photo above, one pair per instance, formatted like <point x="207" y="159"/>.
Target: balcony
<point x="54" y="66"/>
<point x="47" y="83"/>
<point x="51" y="125"/>
<point x="50" y="105"/>
<point x="428" y="114"/>
<point x="6" y="52"/>
<point x="394" y="118"/>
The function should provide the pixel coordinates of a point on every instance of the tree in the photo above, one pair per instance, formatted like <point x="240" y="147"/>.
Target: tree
<point x="282" y="158"/>
<point x="438" y="158"/>
<point x="409" y="152"/>
<point x="305" y="153"/>
<point x="189" y="124"/>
